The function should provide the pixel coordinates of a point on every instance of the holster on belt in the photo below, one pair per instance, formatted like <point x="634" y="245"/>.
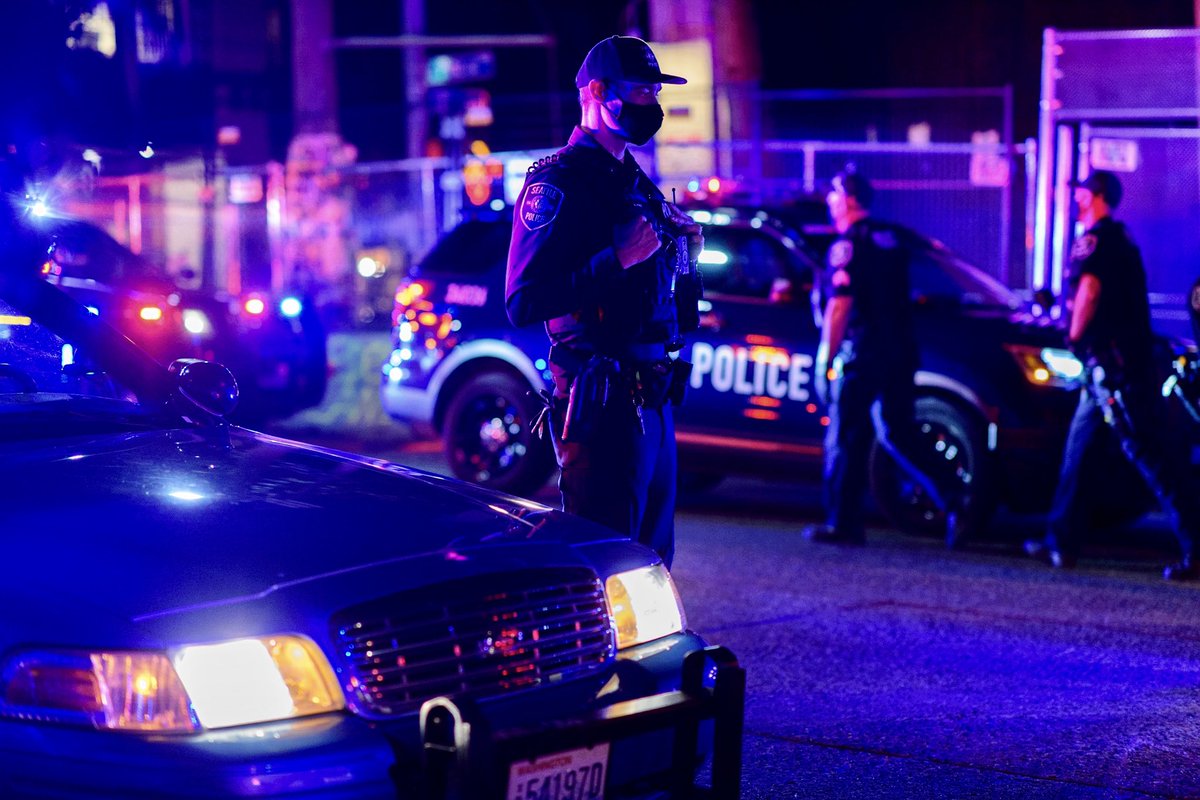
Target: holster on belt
<point x="591" y="388"/>
<point x="680" y="372"/>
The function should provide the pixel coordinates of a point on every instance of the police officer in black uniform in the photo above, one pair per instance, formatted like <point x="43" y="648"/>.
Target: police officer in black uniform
<point x="867" y="331"/>
<point x="607" y="264"/>
<point x="1110" y="332"/>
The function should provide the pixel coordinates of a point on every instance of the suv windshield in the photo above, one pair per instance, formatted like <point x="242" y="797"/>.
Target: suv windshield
<point x="84" y="251"/>
<point x="938" y="275"/>
<point x="473" y="247"/>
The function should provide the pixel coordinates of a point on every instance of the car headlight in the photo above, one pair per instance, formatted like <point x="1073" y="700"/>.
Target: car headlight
<point x="219" y="685"/>
<point x="1047" y="366"/>
<point x="644" y="605"/>
<point x="196" y="322"/>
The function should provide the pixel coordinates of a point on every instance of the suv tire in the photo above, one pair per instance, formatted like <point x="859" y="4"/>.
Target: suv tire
<point x="958" y="451"/>
<point x="488" y="438"/>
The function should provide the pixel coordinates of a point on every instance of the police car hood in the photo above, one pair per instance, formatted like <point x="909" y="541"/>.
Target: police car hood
<point x="1013" y="326"/>
<point x="139" y="524"/>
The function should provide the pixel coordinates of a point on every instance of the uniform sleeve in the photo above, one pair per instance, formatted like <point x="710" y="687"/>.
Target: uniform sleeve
<point x="841" y="266"/>
<point x="1093" y="256"/>
<point x="554" y="264"/>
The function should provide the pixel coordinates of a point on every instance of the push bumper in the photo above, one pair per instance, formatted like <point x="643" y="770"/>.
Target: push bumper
<point x="462" y="761"/>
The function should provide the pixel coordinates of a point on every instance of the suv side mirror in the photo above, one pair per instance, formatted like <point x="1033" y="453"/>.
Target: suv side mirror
<point x="207" y="386"/>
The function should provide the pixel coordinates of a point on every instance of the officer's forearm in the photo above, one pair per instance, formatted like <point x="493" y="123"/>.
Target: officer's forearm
<point x="837" y="317"/>
<point x="1083" y="309"/>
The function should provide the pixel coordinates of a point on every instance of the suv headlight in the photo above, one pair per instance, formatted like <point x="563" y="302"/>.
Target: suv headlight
<point x="644" y="604"/>
<point x="184" y="690"/>
<point x="197" y="323"/>
<point x="1047" y="366"/>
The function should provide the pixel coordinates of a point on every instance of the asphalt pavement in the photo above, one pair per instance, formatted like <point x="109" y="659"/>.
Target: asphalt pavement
<point x="902" y="670"/>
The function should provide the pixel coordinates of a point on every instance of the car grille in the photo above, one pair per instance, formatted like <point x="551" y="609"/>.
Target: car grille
<point x="484" y="636"/>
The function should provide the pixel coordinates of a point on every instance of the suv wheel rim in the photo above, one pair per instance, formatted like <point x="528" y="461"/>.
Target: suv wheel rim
<point x="490" y="438"/>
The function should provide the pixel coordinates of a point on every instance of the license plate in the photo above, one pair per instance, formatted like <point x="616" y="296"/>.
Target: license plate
<point x="569" y="775"/>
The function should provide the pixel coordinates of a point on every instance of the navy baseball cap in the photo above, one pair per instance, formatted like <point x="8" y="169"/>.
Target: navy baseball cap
<point x="1102" y="183"/>
<point x="622" y="58"/>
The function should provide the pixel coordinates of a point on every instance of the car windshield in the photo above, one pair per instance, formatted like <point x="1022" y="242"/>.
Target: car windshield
<point x="475" y="246"/>
<point x="937" y="275"/>
<point x="62" y="374"/>
<point x="82" y="250"/>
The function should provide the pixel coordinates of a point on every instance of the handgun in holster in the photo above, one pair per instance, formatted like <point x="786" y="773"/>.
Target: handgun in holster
<point x="680" y="372"/>
<point x="1106" y="388"/>
<point x="590" y="391"/>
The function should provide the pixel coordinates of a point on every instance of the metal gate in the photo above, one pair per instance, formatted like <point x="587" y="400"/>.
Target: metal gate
<point x="1161" y="207"/>
<point x="1128" y="102"/>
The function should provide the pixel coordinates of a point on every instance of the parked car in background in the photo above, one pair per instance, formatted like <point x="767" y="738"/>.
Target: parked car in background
<point x="199" y="610"/>
<point x="996" y="389"/>
<point x="274" y="344"/>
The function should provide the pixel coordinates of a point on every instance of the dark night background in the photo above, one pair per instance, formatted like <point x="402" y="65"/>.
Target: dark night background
<point x="847" y="44"/>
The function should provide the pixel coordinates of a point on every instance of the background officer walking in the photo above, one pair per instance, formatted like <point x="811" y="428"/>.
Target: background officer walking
<point x="602" y="259"/>
<point x="868" y="330"/>
<point x="1110" y="332"/>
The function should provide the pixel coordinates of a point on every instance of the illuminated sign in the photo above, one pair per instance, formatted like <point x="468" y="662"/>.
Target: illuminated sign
<point x="469" y="67"/>
<point x="466" y="294"/>
<point x="752" y="371"/>
<point x="244" y="188"/>
<point x="1116" y="155"/>
<point x="684" y="144"/>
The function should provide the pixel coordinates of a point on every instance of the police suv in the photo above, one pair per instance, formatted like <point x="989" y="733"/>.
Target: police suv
<point x="995" y="389"/>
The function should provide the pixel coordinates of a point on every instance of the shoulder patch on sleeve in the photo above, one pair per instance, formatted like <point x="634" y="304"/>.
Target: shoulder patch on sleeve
<point x="1084" y="246"/>
<point x="840" y="253"/>
<point x="840" y="279"/>
<point x="884" y="240"/>
<point x="540" y="204"/>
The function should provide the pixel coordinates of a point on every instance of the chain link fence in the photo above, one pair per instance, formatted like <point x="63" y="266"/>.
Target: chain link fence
<point x="941" y="162"/>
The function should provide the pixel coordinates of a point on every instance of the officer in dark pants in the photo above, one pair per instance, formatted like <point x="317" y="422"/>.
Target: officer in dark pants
<point x="867" y="325"/>
<point x="1110" y="332"/>
<point x="607" y="264"/>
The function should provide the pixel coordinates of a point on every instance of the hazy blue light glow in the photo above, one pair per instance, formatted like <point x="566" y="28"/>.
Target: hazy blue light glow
<point x="290" y="307"/>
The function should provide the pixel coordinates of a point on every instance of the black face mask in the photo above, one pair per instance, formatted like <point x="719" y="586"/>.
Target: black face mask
<point x="640" y="122"/>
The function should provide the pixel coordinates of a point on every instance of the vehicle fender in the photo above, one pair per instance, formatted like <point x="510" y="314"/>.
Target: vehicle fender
<point x="925" y="379"/>
<point x="491" y="349"/>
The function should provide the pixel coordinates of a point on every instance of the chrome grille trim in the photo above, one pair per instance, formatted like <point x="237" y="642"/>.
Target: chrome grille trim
<point x="484" y="636"/>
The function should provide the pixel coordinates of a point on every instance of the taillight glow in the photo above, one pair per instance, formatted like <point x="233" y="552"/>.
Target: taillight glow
<point x="410" y="293"/>
<point x="150" y="313"/>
